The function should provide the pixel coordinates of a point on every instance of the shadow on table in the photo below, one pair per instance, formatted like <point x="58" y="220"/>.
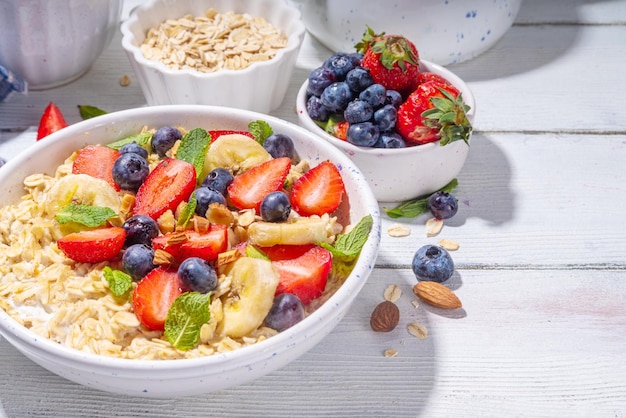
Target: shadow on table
<point x="332" y="379"/>
<point x="484" y="189"/>
<point x="527" y="45"/>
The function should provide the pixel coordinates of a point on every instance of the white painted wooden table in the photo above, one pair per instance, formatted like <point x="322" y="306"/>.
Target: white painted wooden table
<point x="541" y="269"/>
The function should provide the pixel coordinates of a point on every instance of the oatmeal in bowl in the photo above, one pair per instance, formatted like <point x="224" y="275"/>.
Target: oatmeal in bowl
<point x="196" y="246"/>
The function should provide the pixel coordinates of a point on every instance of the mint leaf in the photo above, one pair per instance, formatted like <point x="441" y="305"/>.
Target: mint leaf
<point x="348" y="246"/>
<point x="185" y="318"/>
<point x="415" y="207"/>
<point x="141" y="140"/>
<point x="260" y="130"/>
<point x="187" y="211"/>
<point x="88" y="112"/>
<point x="193" y="148"/>
<point x="90" y="216"/>
<point x="119" y="282"/>
<point x="254" y="252"/>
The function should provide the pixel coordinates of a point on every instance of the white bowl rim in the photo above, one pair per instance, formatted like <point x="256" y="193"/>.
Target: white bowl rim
<point x="279" y="342"/>
<point x="468" y="98"/>
<point x="128" y="40"/>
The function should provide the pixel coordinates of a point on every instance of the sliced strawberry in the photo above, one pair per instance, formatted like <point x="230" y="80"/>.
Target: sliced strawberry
<point x="320" y="190"/>
<point x="206" y="245"/>
<point x="306" y="275"/>
<point x="219" y="132"/>
<point x="51" y="121"/>
<point x="93" y="246"/>
<point x="154" y="296"/>
<point x="171" y="182"/>
<point x="248" y="189"/>
<point x="96" y="161"/>
<point x="286" y="252"/>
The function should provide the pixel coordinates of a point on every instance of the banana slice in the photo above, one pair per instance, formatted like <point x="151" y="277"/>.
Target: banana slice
<point x="83" y="189"/>
<point x="234" y="152"/>
<point x="253" y="284"/>
<point x="299" y="232"/>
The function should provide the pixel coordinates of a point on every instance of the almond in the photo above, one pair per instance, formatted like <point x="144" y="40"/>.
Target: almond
<point x="437" y="295"/>
<point x="385" y="317"/>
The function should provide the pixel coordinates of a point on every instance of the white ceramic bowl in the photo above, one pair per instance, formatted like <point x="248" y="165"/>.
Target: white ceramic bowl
<point x="172" y="378"/>
<point x="445" y="32"/>
<point x="49" y="43"/>
<point x="261" y="87"/>
<point x="401" y="174"/>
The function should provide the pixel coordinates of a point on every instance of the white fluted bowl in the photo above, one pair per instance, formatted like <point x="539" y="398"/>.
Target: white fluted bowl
<point x="261" y="87"/>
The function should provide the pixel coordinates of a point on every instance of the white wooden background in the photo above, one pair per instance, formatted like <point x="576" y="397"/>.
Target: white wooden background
<point x="541" y="270"/>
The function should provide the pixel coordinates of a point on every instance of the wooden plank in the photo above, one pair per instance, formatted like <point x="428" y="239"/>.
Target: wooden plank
<point x="528" y="343"/>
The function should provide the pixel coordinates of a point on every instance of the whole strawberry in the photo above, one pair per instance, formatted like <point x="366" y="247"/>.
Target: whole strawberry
<point x="392" y="60"/>
<point x="434" y="111"/>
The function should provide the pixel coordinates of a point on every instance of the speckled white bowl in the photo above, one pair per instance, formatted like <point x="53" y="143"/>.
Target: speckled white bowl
<point x="50" y="43"/>
<point x="175" y="378"/>
<point x="445" y="32"/>
<point x="261" y="87"/>
<point x="401" y="174"/>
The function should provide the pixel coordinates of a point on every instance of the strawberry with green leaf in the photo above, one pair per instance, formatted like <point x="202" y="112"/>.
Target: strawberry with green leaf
<point x="392" y="60"/>
<point x="434" y="111"/>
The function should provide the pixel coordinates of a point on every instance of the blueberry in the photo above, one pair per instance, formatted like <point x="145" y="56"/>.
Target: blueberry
<point x="280" y="145"/>
<point x="390" y="140"/>
<point x="363" y="134"/>
<point x="386" y="117"/>
<point x="286" y="311"/>
<point x="140" y="229"/>
<point x="340" y="64"/>
<point x="394" y="98"/>
<point x="375" y="95"/>
<point x="319" y="79"/>
<point x="218" y="179"/>
<point x="275" y="207"/>
<point x="130" y="170"/>
<point x="316" y="110"/>
<point x="336" y="96"/>
<point x="359" y="79"/>
<point x="443" y="205"/>
<point x="356" y="58"/>
<point x="138" y="260"/>
<point x="432" y="263"/>
<point x="204" y="198"/>
<point x="164" y="139"/>
<point x="197" y="275"/>
<point x="134" y="148"/>
<point x="358" y="111"/>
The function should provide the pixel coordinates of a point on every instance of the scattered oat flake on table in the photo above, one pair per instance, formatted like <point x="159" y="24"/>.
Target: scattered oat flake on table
<point x="449" y="244"/>
<point x="417" y="330"/>
<point x="415" y="303"/>
<point x="398" y="230"/>
<point x="433" y="227"/>
<point x="392" y="293"/>
<point x="390" y="353"/>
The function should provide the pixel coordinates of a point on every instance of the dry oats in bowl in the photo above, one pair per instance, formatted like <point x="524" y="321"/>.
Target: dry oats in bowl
<point x="65" y="314"/>
<point x="236" y="53"/>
